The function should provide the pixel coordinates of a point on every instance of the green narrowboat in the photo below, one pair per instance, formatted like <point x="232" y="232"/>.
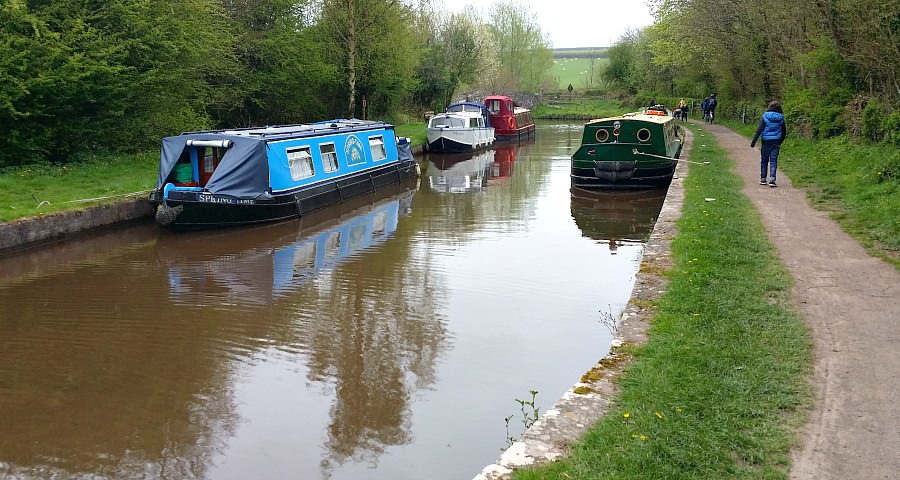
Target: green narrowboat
<point x="634" y="150"/>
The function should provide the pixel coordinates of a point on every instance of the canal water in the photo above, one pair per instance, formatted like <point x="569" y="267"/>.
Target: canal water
<point x="393" y="337"/>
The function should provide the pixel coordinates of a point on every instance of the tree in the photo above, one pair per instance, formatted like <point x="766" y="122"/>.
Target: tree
<point x="525" y="55"/>
<point x="373" y="42"/>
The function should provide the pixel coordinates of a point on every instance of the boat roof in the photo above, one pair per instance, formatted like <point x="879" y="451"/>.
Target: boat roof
<point x="641" y="116"/>
<point x="476" y="105"/>
<point x="466" y="114"/>
<point x="279" y="132"/>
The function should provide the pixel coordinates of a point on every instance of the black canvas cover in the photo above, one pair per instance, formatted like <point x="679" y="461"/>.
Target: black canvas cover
<point x="243" y="172"/>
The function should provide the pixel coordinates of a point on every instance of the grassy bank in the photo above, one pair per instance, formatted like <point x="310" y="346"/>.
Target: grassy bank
<point x="720" y="386"/>
<point x="43" y="188"/>
<point x="579" y="108"/>
<point x="857" y="184"/>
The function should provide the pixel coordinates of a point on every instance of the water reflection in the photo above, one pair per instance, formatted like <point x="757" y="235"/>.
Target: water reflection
<point x="617" y="217"/>
<point x="385" y="338"/>
<point x="208" y="270"/>
<point x="102" y="376"/>
<point x="459" y="172"/>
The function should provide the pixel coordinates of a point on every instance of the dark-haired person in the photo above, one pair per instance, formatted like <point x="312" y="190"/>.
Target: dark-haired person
<point x="772" y="129"/>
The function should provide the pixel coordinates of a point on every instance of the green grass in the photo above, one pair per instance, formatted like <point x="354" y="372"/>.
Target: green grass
<point x="719" y="389"/>
<point x="857" y="184"/>
<point x="574" y="71"/>
<point x="415" y="131"/>
<point x="39" y="189"/>
<point x="581" y="109"/>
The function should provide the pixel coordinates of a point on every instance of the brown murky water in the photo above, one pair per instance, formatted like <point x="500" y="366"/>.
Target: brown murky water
<point x="388" y="338"/>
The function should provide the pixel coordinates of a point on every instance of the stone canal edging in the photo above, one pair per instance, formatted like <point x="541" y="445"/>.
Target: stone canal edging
<point x="548" y="439"/>
<point x="55" y="226"/>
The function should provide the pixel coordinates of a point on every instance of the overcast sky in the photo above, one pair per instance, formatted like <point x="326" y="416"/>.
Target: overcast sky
<point x="575" y="23"/>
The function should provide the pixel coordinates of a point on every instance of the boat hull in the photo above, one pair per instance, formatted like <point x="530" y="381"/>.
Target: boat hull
<point x="190" y="210"/>
<point x="448" y="140"/>
<point x="516" y="134"/>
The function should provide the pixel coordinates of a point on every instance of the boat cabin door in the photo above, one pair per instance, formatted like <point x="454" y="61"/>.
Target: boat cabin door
<point x="208" y="154"/>
<point x="209" y="160"/>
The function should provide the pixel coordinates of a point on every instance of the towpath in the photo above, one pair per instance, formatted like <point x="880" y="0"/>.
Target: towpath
<point x="851" y="303"/>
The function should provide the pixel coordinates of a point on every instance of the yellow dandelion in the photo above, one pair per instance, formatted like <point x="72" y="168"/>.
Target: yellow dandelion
<point x="644" y="438"/>
<point x="626" y="415"/>
<point x="658" y="415"/>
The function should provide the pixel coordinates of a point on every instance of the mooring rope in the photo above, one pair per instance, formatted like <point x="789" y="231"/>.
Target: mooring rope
<point x="142" y="192"/>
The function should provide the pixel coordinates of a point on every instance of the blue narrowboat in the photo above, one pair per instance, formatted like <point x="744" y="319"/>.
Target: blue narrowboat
<point x="255" y="175"/>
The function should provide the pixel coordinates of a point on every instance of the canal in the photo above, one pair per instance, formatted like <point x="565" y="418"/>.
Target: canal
<point x="392" y="337"/>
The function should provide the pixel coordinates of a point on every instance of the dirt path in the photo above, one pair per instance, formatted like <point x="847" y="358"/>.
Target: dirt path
<point x="851" y="304"/>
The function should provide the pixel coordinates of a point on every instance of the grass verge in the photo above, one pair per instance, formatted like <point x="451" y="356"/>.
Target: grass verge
<point x="720" y="388"/>
<point x="858" y="185"/>
<point x="44" y="188"/>
<point x="577" y="109"/>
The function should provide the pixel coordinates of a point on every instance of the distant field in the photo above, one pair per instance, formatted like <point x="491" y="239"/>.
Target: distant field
<point x="582" y="52"/>
<point x="574" y="71"/>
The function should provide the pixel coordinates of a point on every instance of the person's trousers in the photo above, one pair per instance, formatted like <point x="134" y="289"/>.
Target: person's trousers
<point x="769" y="159"/>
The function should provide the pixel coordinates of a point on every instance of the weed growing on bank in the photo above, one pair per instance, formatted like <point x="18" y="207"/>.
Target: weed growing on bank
<point x="719" y="389"/>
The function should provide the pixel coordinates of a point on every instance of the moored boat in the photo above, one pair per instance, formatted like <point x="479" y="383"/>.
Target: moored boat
<point x="464" y="127"/>
<point x="510" y="121"/>
<point x="634" y="150"/>
<point x="254" y="175"/>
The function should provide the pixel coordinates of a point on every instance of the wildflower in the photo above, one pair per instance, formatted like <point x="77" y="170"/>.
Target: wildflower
<point x="644" y="438"/>
<point x="658" y="415"/>
<point x="626" y="415"/>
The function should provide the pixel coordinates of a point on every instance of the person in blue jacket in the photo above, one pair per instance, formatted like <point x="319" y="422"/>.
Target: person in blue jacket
<point x="772" y="130"/>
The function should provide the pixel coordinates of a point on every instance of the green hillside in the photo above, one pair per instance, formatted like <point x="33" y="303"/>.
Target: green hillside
<point x="576" y="71"/>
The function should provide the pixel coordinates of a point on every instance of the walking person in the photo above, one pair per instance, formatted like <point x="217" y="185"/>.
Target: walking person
<point x="711" y="107"/>
<point x="682" y="109"/>
<point x="772" y="129"/>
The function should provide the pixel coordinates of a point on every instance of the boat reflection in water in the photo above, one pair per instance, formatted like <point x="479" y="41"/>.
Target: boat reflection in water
<point x="465" y="172"/>
<point x="259" y="266"/>
<point x="615" y="216"/>
<point x="459" y="173"/>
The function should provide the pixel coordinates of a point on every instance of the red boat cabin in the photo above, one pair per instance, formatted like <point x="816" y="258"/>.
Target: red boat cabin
<point x="510" y="121"/>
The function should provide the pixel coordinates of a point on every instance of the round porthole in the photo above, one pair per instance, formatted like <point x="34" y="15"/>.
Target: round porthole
<point x="602" y="135"/>
<point x="643" y="135"/>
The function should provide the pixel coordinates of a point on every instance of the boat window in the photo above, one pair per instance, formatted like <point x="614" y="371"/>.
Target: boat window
<point x="494" y="106"/>
<point x="473" y="122"/>
<point x="643" y="135"/>
<point x="376" y="144"/>
<point x="602" y="135"/>
<point x="329" y="157"/>
<point x="447" y="122"/>
<point x="300" y="162"/>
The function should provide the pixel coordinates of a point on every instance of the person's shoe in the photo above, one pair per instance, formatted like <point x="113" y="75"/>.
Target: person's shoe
<point x="772" y="184"/>
<point x="762" y="181"/>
